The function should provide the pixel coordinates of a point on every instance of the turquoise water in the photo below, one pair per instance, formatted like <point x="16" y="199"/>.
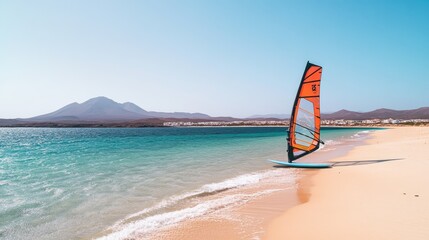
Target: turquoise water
<point x="75" y="183"/>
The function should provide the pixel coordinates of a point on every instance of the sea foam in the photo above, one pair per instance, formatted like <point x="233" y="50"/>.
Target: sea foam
<point x="147" y="225"/>
<point x="123" y="228"/>
<point x="360" y="134"/>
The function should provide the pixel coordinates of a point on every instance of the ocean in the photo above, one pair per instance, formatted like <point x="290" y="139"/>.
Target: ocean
<point x="111" y="183"/>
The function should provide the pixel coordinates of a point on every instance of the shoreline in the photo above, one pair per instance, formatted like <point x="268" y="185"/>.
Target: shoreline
<point x="375" y="197"/>
<point x="251" y="219"/>
<point x="356" y="199"/>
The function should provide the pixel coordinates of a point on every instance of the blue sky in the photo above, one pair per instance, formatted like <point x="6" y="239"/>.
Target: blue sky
<point x="223" y="58"/>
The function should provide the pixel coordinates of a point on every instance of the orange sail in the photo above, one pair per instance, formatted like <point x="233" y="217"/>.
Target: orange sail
<point x="304" y="128"/>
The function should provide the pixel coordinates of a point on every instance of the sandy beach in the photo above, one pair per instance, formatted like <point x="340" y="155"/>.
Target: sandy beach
<point x="377" y="190"/>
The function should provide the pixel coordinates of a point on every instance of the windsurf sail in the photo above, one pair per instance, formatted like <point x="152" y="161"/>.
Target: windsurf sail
<point x="304" y="128"/>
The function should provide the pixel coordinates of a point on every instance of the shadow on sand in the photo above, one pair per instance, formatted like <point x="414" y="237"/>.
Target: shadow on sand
<point x="362" y="162"/>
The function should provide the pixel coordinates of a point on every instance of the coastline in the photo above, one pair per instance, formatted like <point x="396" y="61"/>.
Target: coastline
<point x="251" y="219"/>
<point x="379" y="192"/>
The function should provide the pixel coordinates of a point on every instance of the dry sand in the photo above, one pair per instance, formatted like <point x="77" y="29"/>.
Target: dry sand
<point x="379" y="190"/>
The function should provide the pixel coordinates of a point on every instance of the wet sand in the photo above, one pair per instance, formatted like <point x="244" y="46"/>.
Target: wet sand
<point x="247" y="221"/>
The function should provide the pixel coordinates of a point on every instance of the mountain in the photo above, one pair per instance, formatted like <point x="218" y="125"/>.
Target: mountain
<point x="382" y="113"/>
<point x="10" y="122"/>
<point x="104" y="112"/>
<point x="136" y="109"/>
<point x="95" y="109"/>
<point x="342" y="114"/>
<point x="105" y="109"/>
<point x="131" y="107"/>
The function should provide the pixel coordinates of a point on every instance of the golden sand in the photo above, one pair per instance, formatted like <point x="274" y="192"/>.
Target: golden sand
<point x="381" y="191"/>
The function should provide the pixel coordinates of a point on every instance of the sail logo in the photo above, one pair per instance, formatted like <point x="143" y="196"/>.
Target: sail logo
<point x="313" y="87"/>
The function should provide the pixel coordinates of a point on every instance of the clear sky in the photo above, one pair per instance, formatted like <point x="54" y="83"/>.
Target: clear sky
<point x="221" y="57"/>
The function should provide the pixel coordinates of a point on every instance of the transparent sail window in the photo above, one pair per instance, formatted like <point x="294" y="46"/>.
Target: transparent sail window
<point x="304" y="130"/>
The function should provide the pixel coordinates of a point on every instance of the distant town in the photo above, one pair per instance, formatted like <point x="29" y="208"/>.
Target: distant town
<point x="339" y="122"/>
